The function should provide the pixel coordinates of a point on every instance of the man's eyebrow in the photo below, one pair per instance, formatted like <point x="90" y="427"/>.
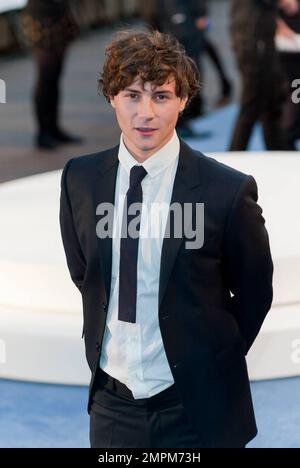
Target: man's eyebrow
<point x="162" y="91"/>
<point x="132" y="90"/>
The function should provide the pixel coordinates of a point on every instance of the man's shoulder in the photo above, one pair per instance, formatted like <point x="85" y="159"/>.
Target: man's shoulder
<point x="223" y="170"/>
<point x="217" y="171"/>
<point x="89" y="163"/>
<point x="223" y="182"/>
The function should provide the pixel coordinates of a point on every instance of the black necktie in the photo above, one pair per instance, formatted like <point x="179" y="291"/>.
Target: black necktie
<point x="129" y="247"/>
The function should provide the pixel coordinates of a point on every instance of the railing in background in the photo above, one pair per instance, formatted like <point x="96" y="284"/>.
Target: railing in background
<point x="88" y="14"/>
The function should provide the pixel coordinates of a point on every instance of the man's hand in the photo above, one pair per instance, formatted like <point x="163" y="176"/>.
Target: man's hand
<point x="289" y="7"/>
<point x="284" y="30"/>
<point x="202" y="22"/>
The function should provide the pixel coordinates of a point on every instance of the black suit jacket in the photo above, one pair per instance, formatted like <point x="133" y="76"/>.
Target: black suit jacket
<point x="212" y="300"/>
<point x="49" y="25"/>
<point x="54" y="9"/>
<point x="253" y="27"/>
<point x="184" y="28"/>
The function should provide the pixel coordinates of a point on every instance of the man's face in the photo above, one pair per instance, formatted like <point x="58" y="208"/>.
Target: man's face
<point x="147" y="117"/>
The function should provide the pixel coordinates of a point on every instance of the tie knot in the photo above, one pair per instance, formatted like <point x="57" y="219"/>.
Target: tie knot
<point x="137" y="173"/>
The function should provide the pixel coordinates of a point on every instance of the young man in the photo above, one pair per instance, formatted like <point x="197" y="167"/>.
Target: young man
<point x="166" y="324"/>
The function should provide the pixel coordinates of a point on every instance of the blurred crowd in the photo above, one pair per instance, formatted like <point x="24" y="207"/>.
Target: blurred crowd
<point x="266" y="44"/>
<point x="265" y="39"/>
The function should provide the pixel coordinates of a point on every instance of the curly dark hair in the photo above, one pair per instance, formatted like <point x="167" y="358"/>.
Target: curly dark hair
<point x="151" y="55"/>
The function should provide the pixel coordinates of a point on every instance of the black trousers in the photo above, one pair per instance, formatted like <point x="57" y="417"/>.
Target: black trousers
<point x="290" y="121"/>
<point x="47" y="88"/>
<point x="117" y="420"/>
<point x="261" y="100"/>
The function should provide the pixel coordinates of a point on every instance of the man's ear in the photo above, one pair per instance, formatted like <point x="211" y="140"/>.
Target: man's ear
<point x="183" y="103"/>
<point x="112" y="102"/>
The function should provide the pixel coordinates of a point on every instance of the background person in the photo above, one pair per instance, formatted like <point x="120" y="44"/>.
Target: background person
<point x="186" y="20"/>
<point x="49" y="28"/>
<point x="253" y="27"/>
<point x="288" y="26"/>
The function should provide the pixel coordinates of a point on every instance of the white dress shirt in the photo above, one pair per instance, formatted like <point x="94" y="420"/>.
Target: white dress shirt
<point x="134" y="353"/>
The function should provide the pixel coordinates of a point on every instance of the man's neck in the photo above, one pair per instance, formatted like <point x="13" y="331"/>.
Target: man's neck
<point x="142" y="158"/>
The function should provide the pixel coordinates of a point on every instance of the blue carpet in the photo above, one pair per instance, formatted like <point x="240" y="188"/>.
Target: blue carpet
<point x="277" y="410"/>
<point x="39" y="416"/>
<point x="220" y="124"/>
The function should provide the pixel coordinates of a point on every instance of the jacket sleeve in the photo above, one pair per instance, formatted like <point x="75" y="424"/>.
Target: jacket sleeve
<point x="198" y="8"/>
<point x="248" y="262"/>
<point x="75" y="258"/>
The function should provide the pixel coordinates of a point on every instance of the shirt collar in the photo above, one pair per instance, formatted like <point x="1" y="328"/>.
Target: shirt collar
<point x="156" y="163"/>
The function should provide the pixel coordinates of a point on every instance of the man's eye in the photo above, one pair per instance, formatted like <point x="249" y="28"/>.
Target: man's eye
<point x="161" y="97"/>
<point x="132" y="95"/>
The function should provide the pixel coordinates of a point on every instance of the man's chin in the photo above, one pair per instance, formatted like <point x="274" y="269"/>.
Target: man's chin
<point x="147" y="147"/>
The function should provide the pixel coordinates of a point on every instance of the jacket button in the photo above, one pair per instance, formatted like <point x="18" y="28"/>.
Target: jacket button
<point x="165" y="317"/>
<point x="98" y="347"/>
<point x="176" y="365"/>
<point x="104" y="306"/>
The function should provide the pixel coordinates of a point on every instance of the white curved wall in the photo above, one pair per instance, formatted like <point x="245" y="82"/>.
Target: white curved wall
<point x="40" y="308"/>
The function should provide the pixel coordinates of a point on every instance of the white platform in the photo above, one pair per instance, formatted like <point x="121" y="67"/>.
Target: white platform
<point x="40" y="308"/>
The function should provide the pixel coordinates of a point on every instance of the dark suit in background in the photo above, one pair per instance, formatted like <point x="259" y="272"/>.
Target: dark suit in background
<point x="178" y="18"/>
<point x="290" y="122"/>
<point x="253" y="25"/>
<point x="49" y="28"/>
<point x="212" y="300"/>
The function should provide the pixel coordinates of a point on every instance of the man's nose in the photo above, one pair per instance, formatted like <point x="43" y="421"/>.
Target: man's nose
<point x="146" y="109"/>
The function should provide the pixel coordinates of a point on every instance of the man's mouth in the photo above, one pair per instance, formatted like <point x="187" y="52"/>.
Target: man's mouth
<point x="146" y="130"/>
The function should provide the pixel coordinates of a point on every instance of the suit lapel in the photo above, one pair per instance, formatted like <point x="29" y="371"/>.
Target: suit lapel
<point x="189" y="185"/>
<point x="103" y="189"/>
